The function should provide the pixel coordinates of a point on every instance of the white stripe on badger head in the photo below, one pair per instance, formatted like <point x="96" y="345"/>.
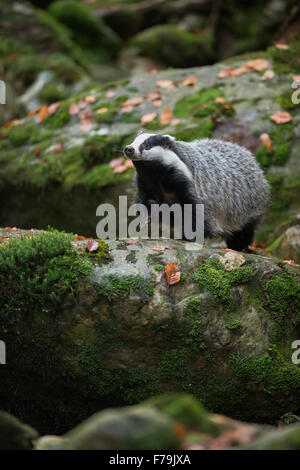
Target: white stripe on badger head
<point x="138" y="141"/>
<point x="167" y="157"/>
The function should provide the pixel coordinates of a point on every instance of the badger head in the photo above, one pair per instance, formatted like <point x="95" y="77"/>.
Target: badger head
<point x="148" y="147"/>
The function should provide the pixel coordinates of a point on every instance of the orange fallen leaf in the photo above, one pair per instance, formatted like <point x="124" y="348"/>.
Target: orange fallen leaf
<point x="33" y="112"/>
<point x="110" y="94"/>
<point x="225" y="73"/>
<point x="157" y="103"/>
<point x="133" y="101"/>
<point x="158" y="248"/>
<point x="281" y="46"/>
<point x="265" y="140"/>
<point x="73" y="109"/>
<point x="79" y="237"/>
<point x="127" y="109"/>
<point x="131" y="242"/>
<point x="148" y="118"/>
<point x="281" y="117"/>
<point x="153" y="95"/>
<point x="289" y="261"/>
<point x="166" y="116"/>
<point x="101" y="110"/>
<point x="173" y="273"/>
<point x="116" y="162"/>
<point x="81" y="104"/>
<point x="219" y="99"/>
<point x="258" y="64"/>
<point x="92" y="245"/>
<point x="37" y="151"/>
<point x="268" y="75"/>
<point x="43" y="112"/>
<point x="90" y="99"/>
<point x="14" y="122"/>
<point x="175" y="122"/>
<point x="165" y="84"/>
<point x="85" y="118"/>
<point x="190" y="81"/>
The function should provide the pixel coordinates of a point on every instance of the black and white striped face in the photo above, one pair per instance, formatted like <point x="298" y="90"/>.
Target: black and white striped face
<point x="156" y="148"/>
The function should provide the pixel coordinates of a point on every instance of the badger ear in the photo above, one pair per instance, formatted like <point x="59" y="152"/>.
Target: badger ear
<point x="140" y="132"/>
<point x="170" y="137"/>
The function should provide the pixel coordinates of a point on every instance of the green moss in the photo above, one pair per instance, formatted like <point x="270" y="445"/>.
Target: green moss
<point x="200" y="104"/>
<point x="283" y="294"/>
<point x="174" y="46"/>
<point x="59" y="119"/>
<point x="158" y="267"/>
<point x="233" y="323"/>
<point x="211" y="275"/>
<point x="286" y="61"/>
<point x="201" y="130"/>
<point x="22" y="133"/>
<point x="102" y="254"/>
<point x="38" y="272"/>
<point x="51" y="93"/>
<point x="282" y="147"/>
<point x="114" y="286"/>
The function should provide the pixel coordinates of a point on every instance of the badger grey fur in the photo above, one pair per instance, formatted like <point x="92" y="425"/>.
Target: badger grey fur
<point x="223" y="176"/>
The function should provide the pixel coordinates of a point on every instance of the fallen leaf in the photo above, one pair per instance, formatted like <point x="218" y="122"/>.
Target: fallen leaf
<point x="153" y="95"/>
<point x="219" y="99"/>
<point x="90" y="99"/>
<point x="79" y="237"/>
<point x="53" y="108"/>
<point x="258" y="64"/>
<point x="127" y="109"/>
<point x="281" y="117"/>
<point x="133" y="101"/>
<point x="33" y="112"/>
<point x="116" y="162"/>
<point x="158" y="248"/>
<point x="81" y="104"/>
<point x="265" y="140"/>
<point x="92" y="245"/>
<point x="148" y="118"/>
<point x="173" y="273"/>
<point x="258" y="246"/>
<point x="289" y="261"/>
<point x="281" y="46"/>
<point x="37" y="151"/>
<point x="225" y="73"/>
<point x="59" y="148"/>
<point x="268" y="75"/>
<point x="165" y="84"/>
<point x="296" y="78"/>
<point x="110" y="94"/>
<point x="131" y="242"/>
<point x="190" y="81"/>
<point x="101" y="110"/>
<point x="43" y="112"/>
<point x="14" y="122"/>
<point x="175" y="122"/>
<point x="166" y="116"/>
<point x="157" y="103"/>
<point x="153" y="71"/>
<point x="73" y="109"/>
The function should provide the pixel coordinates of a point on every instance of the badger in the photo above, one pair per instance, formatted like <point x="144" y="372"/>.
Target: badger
<point x="221" y="175"/>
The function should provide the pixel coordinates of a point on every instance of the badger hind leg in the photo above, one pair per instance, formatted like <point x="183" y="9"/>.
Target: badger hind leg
<point x="241" y="239"/>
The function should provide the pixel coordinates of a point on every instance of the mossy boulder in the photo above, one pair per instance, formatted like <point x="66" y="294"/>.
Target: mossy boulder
<point x="85" y="332"/>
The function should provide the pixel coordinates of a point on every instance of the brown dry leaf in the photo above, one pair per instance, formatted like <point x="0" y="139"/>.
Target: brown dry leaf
<point x="289" y="261"/>
<point x="258" y="246"/>
<point x="258" y="64"/>
<point x="37" y="151"/>
<point x="219" y="99"/>
<point x="158" y="248"/>
<point x="115" y="162"/>
<point x="81" y="104"/>
<point x="129" y="164"/>
<point x="148" y="118"/>
<point x="79" y="237"/>
<point x="90" y="99"/>
<point x="127" y="109"/>
<point x="169" y="84"/>
<point x="173" y="273"/>
<point x="110" y="94"/>
<point x="14" y="122"/>
<point x="33" y="112"/>
<point x="101" y="110"/>
<point x="153" y="95"/>
<point x="153" y="71"/>
<point x="166" y="116"/>
<point x="43" y="112"/>
<point x="133" y="101"/>
<point x="157" y="103"/>
<point x="120" y="169"/>
<point x="283" y="47"/>
<point x="175" y="122"/>
<point x="131" y="242"/>
<point x="85" y="120"/>
<point x="190" y="81"/>
<point x="281" y="117"/>
<point x="92" y="245"/>
<point x="268" y="75"/>
<point x="59" y="148"/>
<point x="53" y="108"/>
<point x="73" y="109"/>
<point x="225" y="73"/>
<point x="265" y="140"/>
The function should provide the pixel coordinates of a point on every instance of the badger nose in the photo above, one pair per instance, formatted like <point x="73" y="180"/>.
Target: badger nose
<point x="129" y="151"/>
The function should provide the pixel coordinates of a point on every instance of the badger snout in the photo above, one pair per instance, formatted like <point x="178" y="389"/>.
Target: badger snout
<point x="129" y="151"/>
